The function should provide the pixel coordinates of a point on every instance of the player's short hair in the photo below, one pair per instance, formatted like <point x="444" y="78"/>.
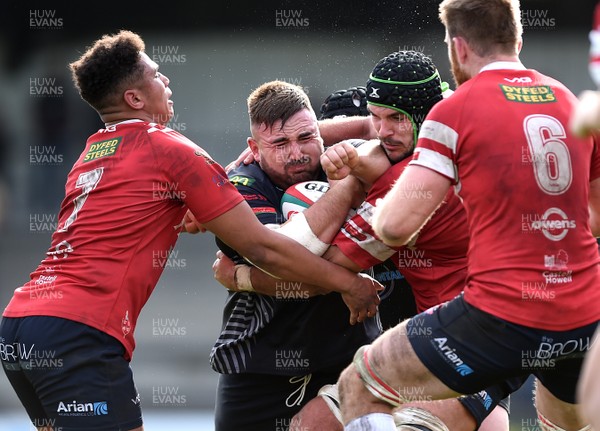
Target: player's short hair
<point x="274" y="101"/>
<point x="107" y="68"/>
<point x="349" y="102"/>
<point x="408" y="82"/>
<point x="489" y="26"/>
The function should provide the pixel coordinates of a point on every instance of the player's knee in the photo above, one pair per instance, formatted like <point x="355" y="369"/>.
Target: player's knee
<point x="348" y="381"/>
<point x="299" y="422"/>
<point x="315" y="415"/>
<point x="547" y="425"/>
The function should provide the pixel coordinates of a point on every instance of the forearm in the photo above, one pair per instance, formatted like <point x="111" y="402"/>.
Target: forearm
<point x="326" y="216"/>
<point x="400" y="214"/>
<point x="334" y="255"/>
<point x="286" y="259"/>
<point x="372" y="162"/>
<point x="243" y="277"/>
<point x="358" y="292"/>
<point x="230" y="275"/>
<point x="363" y="159"/>
<point x="275" y="253"/>
<point x="336" y="130"/>
<point x="265" y="284"/>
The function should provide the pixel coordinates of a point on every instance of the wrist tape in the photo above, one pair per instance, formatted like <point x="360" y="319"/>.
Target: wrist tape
<point x="243" y="281"/>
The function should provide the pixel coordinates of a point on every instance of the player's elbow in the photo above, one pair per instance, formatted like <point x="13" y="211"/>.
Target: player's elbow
<point x="392" y="236"/>
<point x="397" y="226"/>
<point x="390" y="232"/>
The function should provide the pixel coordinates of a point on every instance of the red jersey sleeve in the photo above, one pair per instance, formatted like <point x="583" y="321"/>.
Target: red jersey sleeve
<point x="437" y="144"/>
<point x="357" y="239"/>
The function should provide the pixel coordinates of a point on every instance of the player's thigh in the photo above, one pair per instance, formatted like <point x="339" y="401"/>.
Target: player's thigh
<point x="563" y="361"/>
<point x="392" y="356"/>
<point x="78" y="374"/>
<point x="470" y="350"/>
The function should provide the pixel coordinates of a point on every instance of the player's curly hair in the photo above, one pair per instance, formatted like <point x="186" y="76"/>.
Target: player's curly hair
<point x="104" y="71"/>
<point x="276" y="100"/>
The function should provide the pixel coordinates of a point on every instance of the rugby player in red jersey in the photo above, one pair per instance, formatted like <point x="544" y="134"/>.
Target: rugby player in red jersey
<point x="83" y="301"/>
<point x="528" y="186"/>
<point x="585" y="120"/>
<point x="401" y="90"/>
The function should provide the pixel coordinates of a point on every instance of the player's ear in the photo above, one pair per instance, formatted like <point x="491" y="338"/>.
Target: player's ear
<point x="462" y="48"/>
<point x="133" y="99"/>
<point x="253" y="145"/>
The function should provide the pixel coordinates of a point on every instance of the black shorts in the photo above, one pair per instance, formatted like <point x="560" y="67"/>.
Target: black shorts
<point x="261" y="402"/>
<point x="68" y="375"/>
<point x="470" y="350"/>
<point x="481" y="404"/>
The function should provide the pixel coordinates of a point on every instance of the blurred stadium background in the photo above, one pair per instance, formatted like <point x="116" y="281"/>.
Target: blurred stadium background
<point x="214" y="60"/>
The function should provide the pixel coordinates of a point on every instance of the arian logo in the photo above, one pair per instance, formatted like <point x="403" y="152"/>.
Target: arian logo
<point x="452" y="357"/>
<point x="74" y="408"/>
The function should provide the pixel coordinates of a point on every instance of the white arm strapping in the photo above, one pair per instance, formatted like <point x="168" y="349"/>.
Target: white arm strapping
<point x="298" y="229"/>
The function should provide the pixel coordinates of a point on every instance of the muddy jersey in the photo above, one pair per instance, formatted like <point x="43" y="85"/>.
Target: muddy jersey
<point x="125" y="199"/>
<point x="434" y="262"/>
<point x="502" y="138"/>
<point x="285" y="334"/>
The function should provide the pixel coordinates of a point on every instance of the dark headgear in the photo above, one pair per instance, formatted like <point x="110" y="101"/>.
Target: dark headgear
<point x="408" y="82"/>
<point x="351" y="102"/>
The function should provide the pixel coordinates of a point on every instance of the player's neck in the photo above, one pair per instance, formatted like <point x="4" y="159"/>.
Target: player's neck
<point x="114" y="115"/>
<point x="496" y="58"/>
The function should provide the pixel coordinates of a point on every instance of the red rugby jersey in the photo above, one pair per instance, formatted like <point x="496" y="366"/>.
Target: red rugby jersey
<point x="125" y="199"/>
<point x="503" y="139"/>
<point x="434" y="263"/>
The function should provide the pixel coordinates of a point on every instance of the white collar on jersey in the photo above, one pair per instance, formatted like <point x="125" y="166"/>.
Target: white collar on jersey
<point x="498" y="65"/>
<point x="132" y="120"/>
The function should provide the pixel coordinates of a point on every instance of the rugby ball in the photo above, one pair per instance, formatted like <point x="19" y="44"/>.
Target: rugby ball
<point x="301" y="196"/>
